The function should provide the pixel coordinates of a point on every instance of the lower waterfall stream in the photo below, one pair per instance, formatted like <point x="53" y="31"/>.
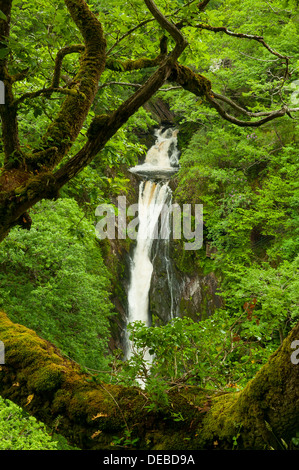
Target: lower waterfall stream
<point x="154" y="212"/>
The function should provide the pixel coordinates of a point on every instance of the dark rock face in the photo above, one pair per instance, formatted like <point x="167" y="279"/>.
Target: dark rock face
<point x="176" y="294"/>
<point x="199" y="297"/>
<point x="165" y="286"/>
<point x="160" y="111"/>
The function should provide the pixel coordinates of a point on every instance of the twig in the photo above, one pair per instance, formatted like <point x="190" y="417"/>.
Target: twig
<point x="137" y="85"/>
<point x="256" y="58"/>
<point x="47" y="91"/>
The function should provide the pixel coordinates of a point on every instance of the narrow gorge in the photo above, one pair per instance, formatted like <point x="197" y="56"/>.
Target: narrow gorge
<point x="154" y="212"/>
<point x="152" y="283"/>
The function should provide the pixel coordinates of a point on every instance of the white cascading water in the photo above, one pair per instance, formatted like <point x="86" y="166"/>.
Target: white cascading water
<point x="154" y="222"/>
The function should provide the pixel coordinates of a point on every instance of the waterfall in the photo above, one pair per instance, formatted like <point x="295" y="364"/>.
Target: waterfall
<point x="162" y="159"/>
<point x="154" y="211"/>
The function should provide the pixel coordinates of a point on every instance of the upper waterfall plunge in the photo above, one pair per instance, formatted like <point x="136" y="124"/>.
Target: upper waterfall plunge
<point x="162" y="159"/>
<point x="154" y="208"/>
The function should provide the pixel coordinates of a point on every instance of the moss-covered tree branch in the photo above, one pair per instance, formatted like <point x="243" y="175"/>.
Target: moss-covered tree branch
<point x="75" y="48"/>
<point x="54" y="389"/>
<point x="239" y="122"/>
<point x="67" y="124"/>
<point x="140" y="63"/>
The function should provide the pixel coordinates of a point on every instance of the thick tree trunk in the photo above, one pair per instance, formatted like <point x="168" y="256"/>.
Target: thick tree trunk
<point x="54" y="389"/>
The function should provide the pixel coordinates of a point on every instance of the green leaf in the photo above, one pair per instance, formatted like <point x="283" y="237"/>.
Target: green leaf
<point x="4" y="52"/>
<point x="3" y="16"/>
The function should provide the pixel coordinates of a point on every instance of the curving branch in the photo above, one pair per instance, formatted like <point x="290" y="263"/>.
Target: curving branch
<point x="130" y="31"/>
<point x="104" y="128"/>
<point x="141" y="63"/>
<point x="267" y="116"/>
<point x="216" y="29"/>
<point x="67" y="124"/>
<point x="10" y="129"/>
<point x="166" y="24"/>
<point x="35" y="177"/>
<point x="48" y="92"/>
<point x="149" y="20"/>
<point x="201" y="86"/>
<point x="260" y="39"/>
<point x="136" y="85"/>
<point x="239" y="108"/>
<point x="20" y="75"/>
<point x="30" y="179"/>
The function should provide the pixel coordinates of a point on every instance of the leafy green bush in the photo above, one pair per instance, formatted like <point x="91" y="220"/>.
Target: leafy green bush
<point x="216" y="354"/>
<point x="19" y="431"/>
<point x="54" y="281"/>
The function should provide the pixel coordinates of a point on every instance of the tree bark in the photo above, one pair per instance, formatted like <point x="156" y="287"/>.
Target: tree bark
<point x="56" y="391"/>
<point x="8" y="113"/>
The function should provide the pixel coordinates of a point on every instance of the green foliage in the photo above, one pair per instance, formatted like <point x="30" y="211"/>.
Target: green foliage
<point x="126" y="441"/>
<point x="53" y="278"/>
<point x="54" y="281"/>
<point x="215" y="354"/>
<point x="20" y="431"/>
<point x="248" y="187"/>
<point x="247" y="184"/>
<point x="274" y="292"/>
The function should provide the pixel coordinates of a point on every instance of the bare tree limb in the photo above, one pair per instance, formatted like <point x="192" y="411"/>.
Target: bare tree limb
<point x="268" y="116"/>
<point x="48" y="91"/>
<point x="134" y="85"/>
<point x="260" y="39"/>
<point x="238" y="108"/>
<point x="137" y="85"/>
<point x="257" y="58"/>
<point x="130" y="31"/>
